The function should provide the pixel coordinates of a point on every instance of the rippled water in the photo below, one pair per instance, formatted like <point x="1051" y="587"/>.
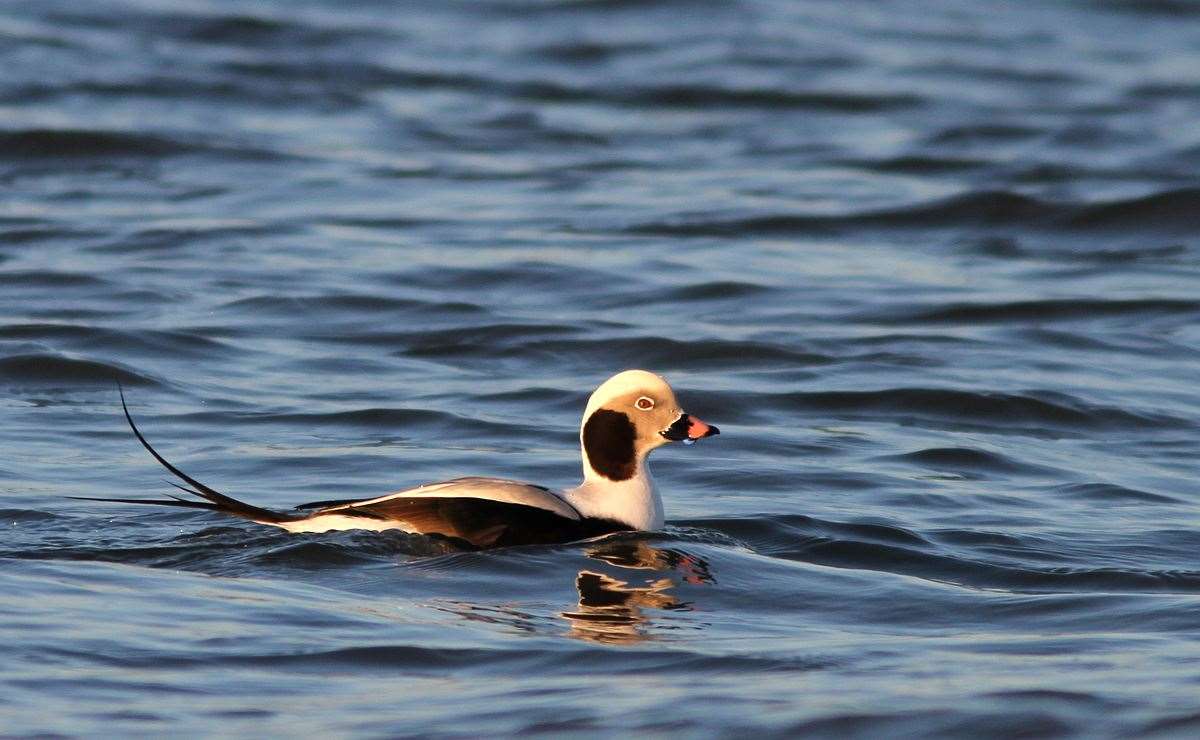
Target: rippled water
<point x="932" y="268"/>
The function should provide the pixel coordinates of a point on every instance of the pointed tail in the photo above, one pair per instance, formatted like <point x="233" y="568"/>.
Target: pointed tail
<point x="213" y="500"/>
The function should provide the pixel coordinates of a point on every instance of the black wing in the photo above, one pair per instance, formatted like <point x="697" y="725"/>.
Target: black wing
<point x="482" y="523"/>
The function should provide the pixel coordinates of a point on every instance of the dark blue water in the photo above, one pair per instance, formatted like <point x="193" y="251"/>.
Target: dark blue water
<point x="932" y="267"/>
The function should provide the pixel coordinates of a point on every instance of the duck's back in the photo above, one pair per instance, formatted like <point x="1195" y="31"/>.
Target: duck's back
<point x="482" y="512"/>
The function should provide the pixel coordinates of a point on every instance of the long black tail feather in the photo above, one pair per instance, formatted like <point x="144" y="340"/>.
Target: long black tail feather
<point x="157" y="502"/>
<point x="214" y="500"/>
<point x="185" y="489"/>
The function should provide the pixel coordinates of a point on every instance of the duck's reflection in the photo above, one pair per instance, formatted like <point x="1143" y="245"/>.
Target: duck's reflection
<point x="612" y="610"/>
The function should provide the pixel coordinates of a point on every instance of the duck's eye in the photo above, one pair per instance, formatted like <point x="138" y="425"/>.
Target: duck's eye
<point x="645" y="403"/>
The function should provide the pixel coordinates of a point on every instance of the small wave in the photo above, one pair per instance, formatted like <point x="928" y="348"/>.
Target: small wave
<point x="1087" y="253"/>
<point x="485" y="340"/>
<point x="540" y="395"/>
<point x="979" y="574"/>
<point x="37" y="234"/>
<point x="983" y="134"/>
<point x="979" y="208"/>
<point x="708" y="96"/>
<point x="976" y="208"/>
<point x="522" y="275"/>
<point x="1001" y="410"/>
<point x="26" y="515"/>
<point x="1172" y="211"/>
<point x="313" y="554"/>
<point x="372" y="418"/>
<point x="967" y="460"/>
<point x="386" y="656"/>
<point x="73" y="143"/>
<point x="1164" y="90"/>
<point x="357" y="74"/>
<point x="242" y="548"/>
<point x="49" y="279"/>
<point x="1091" y="137"/>
<point x="767" y="533"/>
<point x="700" y="96"/>
<point x="589" y="52"/>
<point x="1170" y="252"/>
<point x="1038" y="335"/>
<point x="916" y="164"/>
<point x="511" y="127"/>
<point x="1186" y="724"/>
<point x="716" y="290"/>
<point x="1172" y="8"/>
<point x="392" y="419"/>
<point x="1083" y="309"/>
<point x="977" y="538"/>
<point x="505" y="661"/>
<point x="573" y="7"/>
<point x="891" y="549"/>
<point x="229" y="29"/>
<point x="145" y="341"/>
<point x="349" y="303"/>
<point x="974" y="72"/>
<point x="54" y="370"/>
<point x="215" y="547"/>
<point x="383" y="223"/>
<point x="489" y="335"/>
<point x="166" y="86"/>
<point x="933" y="723"/>
<point x="254" y="31"/>
<point x="233" y="28"/>
<point x="661" y="352"/>
<point x="176" y="234"/>
<point x="1109" y="493"/>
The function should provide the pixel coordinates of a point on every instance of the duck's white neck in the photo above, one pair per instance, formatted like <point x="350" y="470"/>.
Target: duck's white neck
<point x="633" y="501"/>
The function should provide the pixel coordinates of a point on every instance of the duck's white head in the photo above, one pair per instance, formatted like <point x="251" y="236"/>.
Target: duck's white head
<point x="629" y="415"/>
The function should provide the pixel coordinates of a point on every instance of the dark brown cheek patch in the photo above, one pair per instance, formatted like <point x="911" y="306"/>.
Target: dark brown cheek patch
<point x="608" y="438"/>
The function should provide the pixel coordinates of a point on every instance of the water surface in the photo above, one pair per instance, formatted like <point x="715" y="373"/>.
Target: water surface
<point x="931" y="267"/>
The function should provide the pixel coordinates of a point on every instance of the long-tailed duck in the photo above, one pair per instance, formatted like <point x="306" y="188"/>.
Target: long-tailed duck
<point x="626" y="418"/>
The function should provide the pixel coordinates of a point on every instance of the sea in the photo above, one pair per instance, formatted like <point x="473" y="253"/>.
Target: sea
<point x="932" y="267"/>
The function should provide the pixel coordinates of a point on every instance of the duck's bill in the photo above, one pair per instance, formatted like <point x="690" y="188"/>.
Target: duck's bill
<point x="688" y="429"/>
